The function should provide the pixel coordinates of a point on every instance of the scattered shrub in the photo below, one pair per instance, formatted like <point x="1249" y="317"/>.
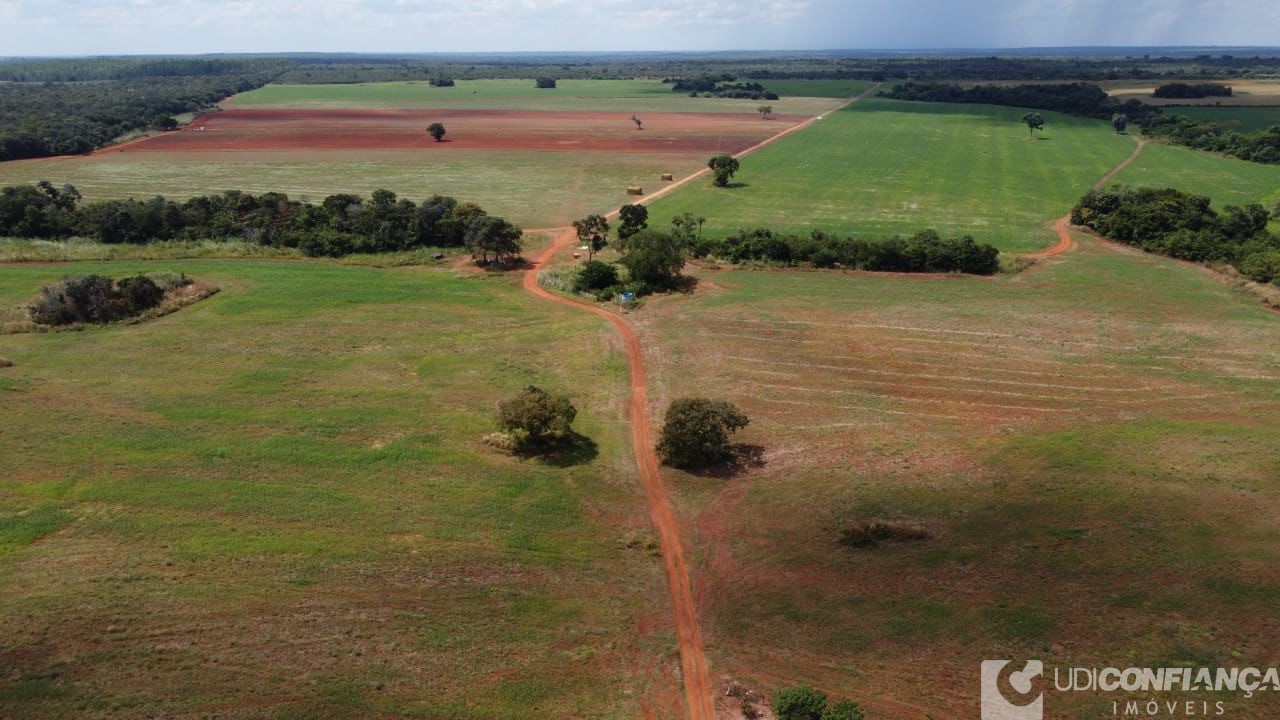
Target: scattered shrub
<point x="872" y="534"/>
<point x="535" y="417"/>
<point x="799" y="703"/>
<point x="695" y="432"/>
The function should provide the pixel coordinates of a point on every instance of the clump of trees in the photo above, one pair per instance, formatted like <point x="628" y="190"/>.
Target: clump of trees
<point x="437" y="131"/>
<point x="696" y="431"/>
<point x="722" y="86"/>
<point x="1184" y="226"/>
<point x="598" y="278"/>
<point x="1178" y="91"/>
<point x="95" y="299"/>
<point x="340" y="225"/>
<point x="924" y="252"/>
<point x="545" y="83"/>
<point x="723" y="167"/>
<point x="1088" y="100"/>
<point x="804" y="703"/>
<point x="535" y="418"/>
<point x="442" y="82"/>
<point x="633" y="219"/>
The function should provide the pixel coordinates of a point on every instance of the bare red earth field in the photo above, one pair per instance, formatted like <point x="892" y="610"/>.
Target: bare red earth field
<point x="468" y="129"/>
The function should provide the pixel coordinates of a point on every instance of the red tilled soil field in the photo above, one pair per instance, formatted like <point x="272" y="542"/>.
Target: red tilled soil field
<point x="467" y="129"/>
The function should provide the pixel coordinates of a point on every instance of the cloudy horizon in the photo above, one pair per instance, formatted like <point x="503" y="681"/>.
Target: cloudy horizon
<point x="63" y="27"/>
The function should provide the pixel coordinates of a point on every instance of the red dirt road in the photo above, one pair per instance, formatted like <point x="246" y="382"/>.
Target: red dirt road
<point x="1062" y="225"/>
<point x="319" y="130"/>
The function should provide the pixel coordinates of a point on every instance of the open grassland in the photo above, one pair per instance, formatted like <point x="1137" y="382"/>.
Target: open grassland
<point x="1244" y="92"/>
<point x="531" y="188"/>
<point x="1228" y="181"/>
<point x="275" y="503"/>
<point x="884" y="167"/>
<point x="581" y="95"/>
<point x="1089" y="443"/>
<point x="1244" y="119"/>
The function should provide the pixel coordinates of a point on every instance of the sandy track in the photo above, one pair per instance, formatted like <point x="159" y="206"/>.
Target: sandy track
<point x="693" y="663"/>
<point x="1062" y="225"/>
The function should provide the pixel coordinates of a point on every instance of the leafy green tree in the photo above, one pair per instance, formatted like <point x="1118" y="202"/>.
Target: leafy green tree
<point x="1034" y="121"/>
<point x="437" y="131"/>
<point x="164" y="122"/>
<point x="844" y="710"/>
<point x="654" y="259"/>
<point x="593" y="231"/>
<point x="536" y="417"/>
<point x="596" y="275"/>
<point x="723" y="167"/>
<point x="488" y="234"/>
<point x="799" y="703"/>
<point x="1262" y="266"/>
<point x="1120" y="122"/>
<point x="545" y="83"/>
<point x="687" y="228"/>
<point x="695" y="434"/>
<point x="634" y="219"/>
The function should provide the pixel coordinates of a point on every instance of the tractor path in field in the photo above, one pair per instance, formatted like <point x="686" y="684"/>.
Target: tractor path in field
<point x="1062" y="225"/>
<point x="693" y="662"/>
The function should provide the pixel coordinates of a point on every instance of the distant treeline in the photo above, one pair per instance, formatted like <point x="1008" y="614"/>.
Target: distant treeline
<point x="722" y="86"/>
<point x="340" y="225"/>
<point x="924" y="252"/>
<point x="1088" y="100"/>
<point x="1186" y="90"/>
<point x="67" y="107"/>
<point x="1182" y="225"/>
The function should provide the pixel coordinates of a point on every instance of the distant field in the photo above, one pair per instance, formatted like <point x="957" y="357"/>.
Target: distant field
<point x="1227" y="180"/>
<point x="1090" y="444"/>
<point x="583" y="95"/>
<point x="278" y="500"/>
<point x="1244" y="92"/>
<point x="1244" y="119"/>
<point x="883" y="167"/>
<point x="533" y="189"/>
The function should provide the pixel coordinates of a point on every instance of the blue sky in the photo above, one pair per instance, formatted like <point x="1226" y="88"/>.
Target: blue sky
<point x="51" y="27"/>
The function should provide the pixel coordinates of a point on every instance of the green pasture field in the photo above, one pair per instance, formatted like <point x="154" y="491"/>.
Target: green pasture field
<point x="1244" y="119"/>
<point x="576" y="95"/>
<point x="277" y="503"/>
<point x="1229" y="181"/>
<point x="532" y="189"/>
<point x="884" y="167"/>
<point x="1135" y="525"/>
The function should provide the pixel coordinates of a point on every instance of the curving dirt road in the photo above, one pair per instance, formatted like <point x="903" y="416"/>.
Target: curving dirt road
<point x="693" y="663"/>
<point x="1062" y="225"/>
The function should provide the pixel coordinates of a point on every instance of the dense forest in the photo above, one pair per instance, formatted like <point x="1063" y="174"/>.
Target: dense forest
<point x="924" y="252"/>
<point x="1178" y="91"/>
<point x="1087" y="100"/>
<point x="1184" y="226"/>
<point x="65" y="107"/>
<point x="721" y="86"/>
<point x="341" y="225"/>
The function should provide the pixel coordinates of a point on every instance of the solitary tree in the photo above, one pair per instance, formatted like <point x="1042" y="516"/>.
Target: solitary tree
<point x="437" y="131"/>
<point x="634" y="219"/>
<point x="545" y="83"/>
<point x="488" y="234"/>
<point x="593" y="231"/>
<point x="695" y="433"/>
<point x="636" y="120"/>
<point x="724" y="167"/>
<point x="654" y="259"/>
<point x="1120" y="122"/>
<point x="1034" y="122"/>
<point x="536" y="417"/>
<point x="765" y="110"/>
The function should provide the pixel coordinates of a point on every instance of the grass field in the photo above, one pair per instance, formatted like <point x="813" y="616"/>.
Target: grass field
<point x="883" y="167"/>
<point x="276" y="503"/>
<point x="1227" y="180"/>
<point x="583" y="95"/>
<point x="1090" y="444"/>
<point x="1244" y="119"/>
<point x="533" y="189"/>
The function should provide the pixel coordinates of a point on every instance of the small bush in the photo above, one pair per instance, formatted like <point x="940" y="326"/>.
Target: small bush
<point x="1262" y="267"/>
<point x="596" y="275"/>
<point x="872" y="534"/>
<point x="536" y="417"/>
<point x="799" y="703"/>
<point x="94" y="299"/>
<point x="695" y="432"/>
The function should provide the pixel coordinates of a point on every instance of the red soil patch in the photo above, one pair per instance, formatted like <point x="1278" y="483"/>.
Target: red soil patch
<point x="468" y="129"/>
